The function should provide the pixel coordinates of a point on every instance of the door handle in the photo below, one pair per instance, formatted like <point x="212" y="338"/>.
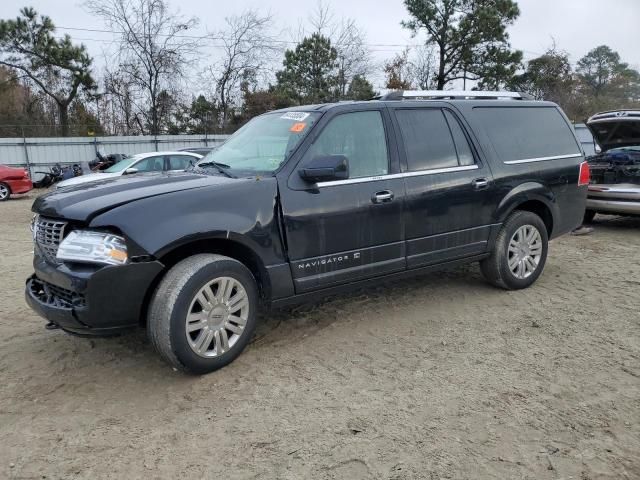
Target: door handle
<point x="384" y="196"/>
<point x="480" y="183"/>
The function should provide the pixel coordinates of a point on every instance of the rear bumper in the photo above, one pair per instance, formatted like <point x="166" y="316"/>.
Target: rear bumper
<point x="88" y="301"/>
<point x="20" y="186"/>
<point x="620" y="198"/>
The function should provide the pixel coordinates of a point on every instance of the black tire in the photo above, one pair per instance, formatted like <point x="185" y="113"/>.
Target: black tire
<point x="173" y="299"/>
<point x="5" y="192"/>
<point x="495" y="269"/>
<point x="589" y="215"/>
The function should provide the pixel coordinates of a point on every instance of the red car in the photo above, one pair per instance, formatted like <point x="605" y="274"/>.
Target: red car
<point x="13" y="180"/>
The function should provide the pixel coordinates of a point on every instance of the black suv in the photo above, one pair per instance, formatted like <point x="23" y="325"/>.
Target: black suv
<point x="303" y="202"/>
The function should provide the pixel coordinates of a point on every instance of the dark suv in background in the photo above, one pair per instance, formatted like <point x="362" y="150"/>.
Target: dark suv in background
<point x="305" y="202"/>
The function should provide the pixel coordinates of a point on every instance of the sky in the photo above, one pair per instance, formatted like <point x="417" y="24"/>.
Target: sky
<point x="576" y="26"/>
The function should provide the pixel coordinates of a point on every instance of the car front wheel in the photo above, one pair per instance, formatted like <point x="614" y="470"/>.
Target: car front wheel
<point x="519" y="253"/>
<point x="203" y="313"/>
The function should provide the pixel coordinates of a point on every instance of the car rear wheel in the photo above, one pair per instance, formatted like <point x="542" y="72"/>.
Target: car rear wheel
<point x="589" y="215"/>
<point x="5" y="192"/>
<point x="203" y="313"/>
<point x="519" y="253"/>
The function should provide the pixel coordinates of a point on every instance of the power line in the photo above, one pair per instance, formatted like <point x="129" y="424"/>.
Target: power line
<point x="213" y="37"/>
<point x="374" y="47"/>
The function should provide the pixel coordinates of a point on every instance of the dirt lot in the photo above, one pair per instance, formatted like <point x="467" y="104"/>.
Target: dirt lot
<point x="436" y="377"/>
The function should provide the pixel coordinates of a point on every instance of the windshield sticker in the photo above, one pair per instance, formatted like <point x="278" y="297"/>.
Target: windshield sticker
<point x="299" y="116"/>
<point x="297" y="127"/>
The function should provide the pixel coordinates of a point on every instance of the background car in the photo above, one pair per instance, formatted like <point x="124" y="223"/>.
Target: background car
<point x="588" y="143"/>
<point x="102" y="162"/>
<point x="615" y="172"/>
<point x="199" y="150"/>
<point x="13" y="181"/>
<point x="143" y="162"/>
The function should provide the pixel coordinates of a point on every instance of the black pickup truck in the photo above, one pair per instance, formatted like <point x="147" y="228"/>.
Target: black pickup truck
<point x="308" y="201"/>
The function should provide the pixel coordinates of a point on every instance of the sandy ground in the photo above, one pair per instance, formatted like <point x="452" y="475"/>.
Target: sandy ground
<point x="436" y="377"/>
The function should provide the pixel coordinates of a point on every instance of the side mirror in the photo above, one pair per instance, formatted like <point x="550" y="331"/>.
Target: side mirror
<point x="130" y="171"/>
<point x="325" y="169"/>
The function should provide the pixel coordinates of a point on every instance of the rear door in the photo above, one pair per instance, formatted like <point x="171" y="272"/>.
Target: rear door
<point x="346" y="230"/>
<point x="450" y="193"/>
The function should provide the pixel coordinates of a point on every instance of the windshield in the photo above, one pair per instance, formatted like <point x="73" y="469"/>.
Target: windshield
<point x="263" y="144"/>
<point x="121" y="165"/>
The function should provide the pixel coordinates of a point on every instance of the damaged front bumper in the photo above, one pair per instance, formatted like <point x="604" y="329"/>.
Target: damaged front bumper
<point x="90" y="301"/>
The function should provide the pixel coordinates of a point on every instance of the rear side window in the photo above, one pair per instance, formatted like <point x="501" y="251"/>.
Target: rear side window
<point x="465" y="157"/>
<point x="527" y="133"/>
<point x="429" y="139"/>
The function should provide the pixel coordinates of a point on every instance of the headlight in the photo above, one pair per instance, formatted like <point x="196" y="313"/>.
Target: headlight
<point x="93" y="247"/>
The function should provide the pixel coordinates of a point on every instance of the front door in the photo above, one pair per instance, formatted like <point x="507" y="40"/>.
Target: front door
<point x="450" y="193"/>
<point x="346" y="230"/>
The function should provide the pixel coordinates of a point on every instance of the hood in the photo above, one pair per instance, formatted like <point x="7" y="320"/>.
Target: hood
<point x="84" y="201"/>
<point x="91" y="177"/>
<point x="616" y="129"/>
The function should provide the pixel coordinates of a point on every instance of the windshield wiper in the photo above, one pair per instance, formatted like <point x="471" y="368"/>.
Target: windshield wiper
<point x="218" y="166"/>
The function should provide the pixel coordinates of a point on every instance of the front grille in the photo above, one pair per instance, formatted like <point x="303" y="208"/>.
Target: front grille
<point x="48" y="235"/>
<point x="56" y="296"/>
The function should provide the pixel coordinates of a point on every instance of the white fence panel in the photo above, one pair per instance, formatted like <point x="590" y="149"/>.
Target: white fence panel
<point x="39" y="154"/>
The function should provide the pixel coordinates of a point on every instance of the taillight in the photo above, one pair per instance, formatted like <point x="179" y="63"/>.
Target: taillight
<point x="585" y="174"/>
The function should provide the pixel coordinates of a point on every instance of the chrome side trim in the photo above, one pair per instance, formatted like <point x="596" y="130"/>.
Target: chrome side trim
<point x="542" y="159"/>
<point x="392" y="176"/>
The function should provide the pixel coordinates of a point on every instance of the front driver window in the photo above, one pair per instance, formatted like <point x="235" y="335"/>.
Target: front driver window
<point x="360" y="137"/>
<point x="151" y="164"/>
<point x="180" y="162"/>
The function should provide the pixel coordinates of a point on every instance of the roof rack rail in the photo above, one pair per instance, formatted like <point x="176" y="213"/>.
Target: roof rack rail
<point x="451" y="95"/>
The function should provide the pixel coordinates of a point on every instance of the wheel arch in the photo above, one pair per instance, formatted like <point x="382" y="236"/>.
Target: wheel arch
<point x="531" y="197"/>
<point x="232" y="248"/>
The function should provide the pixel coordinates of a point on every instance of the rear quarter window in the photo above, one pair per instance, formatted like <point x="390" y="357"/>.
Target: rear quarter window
<point x="527" y="133"/>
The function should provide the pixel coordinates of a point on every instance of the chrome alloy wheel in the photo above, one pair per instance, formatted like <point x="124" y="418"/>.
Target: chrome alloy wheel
<point x="217" y="317"/>
<point x="525" y="251"/>
<point x="4" y="191"/>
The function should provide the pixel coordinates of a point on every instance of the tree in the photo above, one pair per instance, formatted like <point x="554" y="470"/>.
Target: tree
<point x="310" y="71"/>
<point x="360" y="89"/>
<point x="353" y="55"/>
<point x="202" y="114"/>
<point x="259" y="101"/>
<point x="470" y="37"/>
<point x="398" y="72"/>
<point x="247" y="48"/>
<point x="548" y="77"/>
<point x="153" y="54"/>
<point x="601" y="69"/>
<point x="60" y="69"/>
<point x="421" y="65"/>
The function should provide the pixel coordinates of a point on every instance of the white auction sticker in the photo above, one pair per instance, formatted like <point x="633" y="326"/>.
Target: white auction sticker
<point x="297" y="116"/>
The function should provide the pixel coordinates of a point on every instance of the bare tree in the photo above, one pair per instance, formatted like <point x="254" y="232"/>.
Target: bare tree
<point x="153" y="52"/>
<point x="422" y="66"/>
<point x="118" y="90"/>
<point x="247" y="50"/>
<point x="354" y="56"/>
